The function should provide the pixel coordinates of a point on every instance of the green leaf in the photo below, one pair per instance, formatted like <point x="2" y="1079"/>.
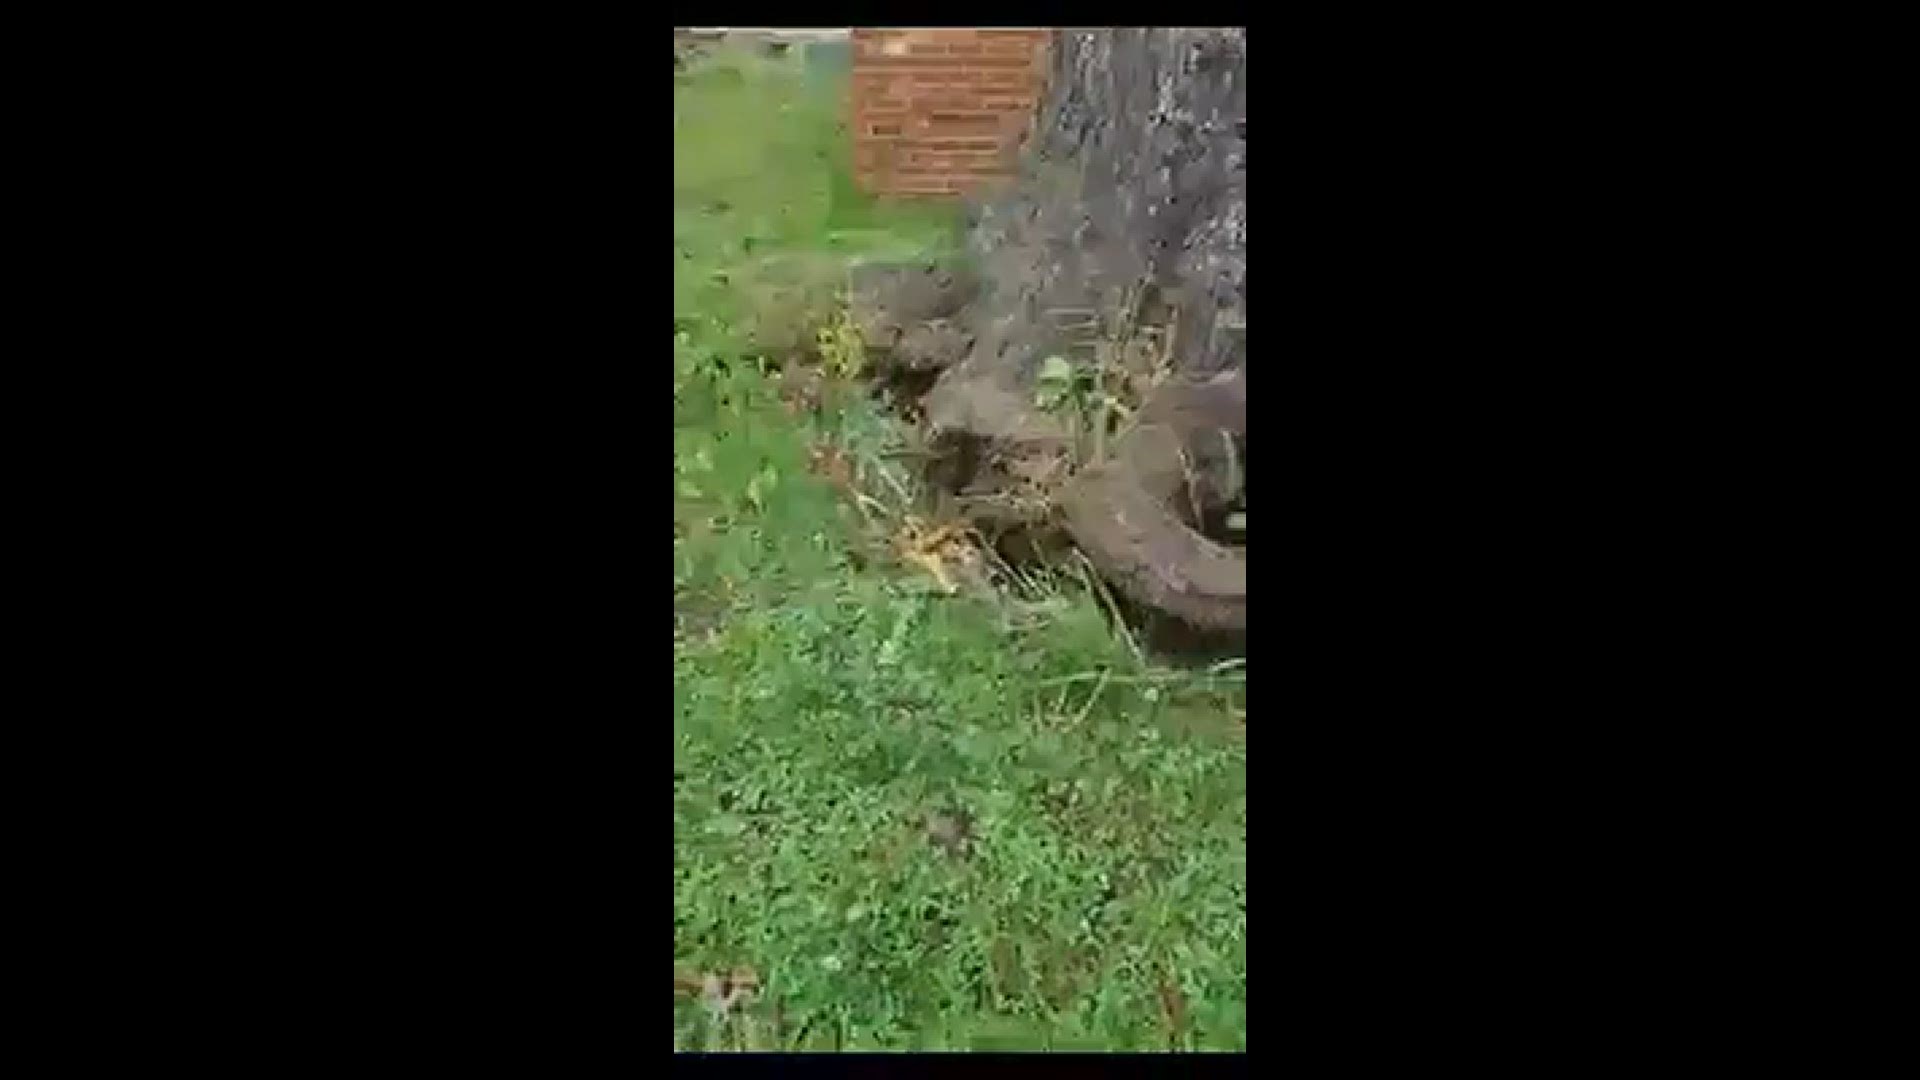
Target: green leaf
<point x="1055" y="369"/>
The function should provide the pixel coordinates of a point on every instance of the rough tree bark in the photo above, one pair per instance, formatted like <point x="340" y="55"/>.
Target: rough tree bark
<point x="1127" y="227"/>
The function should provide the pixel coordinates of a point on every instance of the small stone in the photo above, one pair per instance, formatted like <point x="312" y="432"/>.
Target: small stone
<point x="949" y="830"/>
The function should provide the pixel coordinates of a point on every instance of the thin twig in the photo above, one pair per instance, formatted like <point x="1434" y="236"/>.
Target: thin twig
<point x="862" y="497"/>
<point x="1110" y="353"/>
<point x="1100" y="591"/>
<point x="799" y="1036"/>
<point x="1233" y="464"/>
<point x="1100" y="405"/>
<point x="1156" y="677"/>
<point x="1162" y="367"/>
<point x="899" y="489"/>
<point x="1058" y="702"/>
<point x="1190" y="476"/>
<point x="1093" y="697"/>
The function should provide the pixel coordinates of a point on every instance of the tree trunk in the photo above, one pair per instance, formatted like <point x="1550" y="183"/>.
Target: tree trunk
<point x="1123" y="249"/>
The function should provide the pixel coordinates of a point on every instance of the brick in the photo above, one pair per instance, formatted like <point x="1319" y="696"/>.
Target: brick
<point x="990" y="145"/>
<point x="1007" y="47"/>
<point x="964" y="84"/>
<point x="950" y="101"/>
<point x="957" y="124"/>
<point x="938" y="111"/>
<point x="931" y="63"/>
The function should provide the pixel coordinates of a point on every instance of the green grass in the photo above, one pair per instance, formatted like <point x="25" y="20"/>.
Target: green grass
<point x="827" y="700"/>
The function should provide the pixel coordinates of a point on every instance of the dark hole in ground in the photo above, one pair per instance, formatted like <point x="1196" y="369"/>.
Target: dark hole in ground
<point x="963" y="464"/>
<point x="902" y="388"/>
<point x="1175" y="641"/>
<point x="955" y="461"/>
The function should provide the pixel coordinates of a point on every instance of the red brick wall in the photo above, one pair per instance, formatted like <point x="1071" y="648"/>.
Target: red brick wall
<point x="940" y="112"/>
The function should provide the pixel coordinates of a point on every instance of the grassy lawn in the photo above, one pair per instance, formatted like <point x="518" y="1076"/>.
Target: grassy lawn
<point x="974" y="821"/>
